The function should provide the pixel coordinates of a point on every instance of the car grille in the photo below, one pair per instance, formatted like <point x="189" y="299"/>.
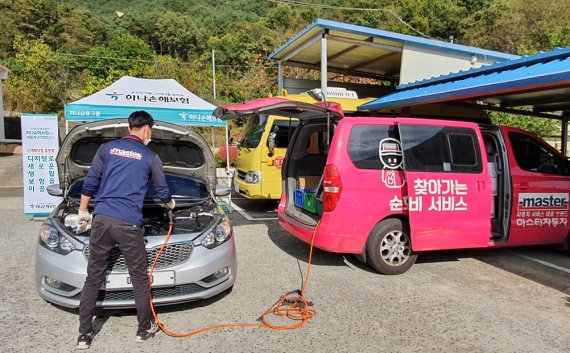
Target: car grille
<point x="241" y="174"/>
<point x="173" y="254"/>
<point x="182" y="289"/>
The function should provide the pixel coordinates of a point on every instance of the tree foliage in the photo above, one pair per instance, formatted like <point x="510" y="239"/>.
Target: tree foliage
<point x="40" y="81"/>
<point x="544" y="128"/>
<point x="59" y="50"/>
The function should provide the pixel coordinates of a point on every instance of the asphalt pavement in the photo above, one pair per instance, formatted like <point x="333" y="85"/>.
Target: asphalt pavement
<point x="487" y="300"/>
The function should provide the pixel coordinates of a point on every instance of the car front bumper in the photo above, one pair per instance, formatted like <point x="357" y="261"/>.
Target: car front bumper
<point x="193" y="279"/>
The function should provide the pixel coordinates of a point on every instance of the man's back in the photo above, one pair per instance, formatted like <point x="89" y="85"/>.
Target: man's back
<point x="125" y="168"/>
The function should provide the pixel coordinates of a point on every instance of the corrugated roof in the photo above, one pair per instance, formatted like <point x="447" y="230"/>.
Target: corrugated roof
<point x="387" y="35"/>
<point x="368" y="52"/>
<point x="540" y="82"/>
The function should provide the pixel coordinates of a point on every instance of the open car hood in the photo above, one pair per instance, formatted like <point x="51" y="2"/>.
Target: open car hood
<point x="182" y="151"/>
<point x="281" y="107"/>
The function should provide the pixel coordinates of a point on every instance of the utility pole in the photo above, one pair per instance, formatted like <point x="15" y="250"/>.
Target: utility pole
<point x="214" y="73"/>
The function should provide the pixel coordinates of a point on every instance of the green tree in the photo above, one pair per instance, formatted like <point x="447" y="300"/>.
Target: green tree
<point x="177" y="35"/>
<point x="521" y="27"/>
<point x="40" y="81"/>
<point x="123" y="53"/>
<point x="29" y="19"/>
<point x="75" y="30"/>
<point x="540" y="126"/>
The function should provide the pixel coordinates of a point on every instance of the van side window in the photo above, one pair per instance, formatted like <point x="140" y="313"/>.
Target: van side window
<point x="534" y="156"/>
<point x="462" y="149"/>
<point x="283" y="130"/>
<point x="364" y="143"/>
<point x="440" y="149"/>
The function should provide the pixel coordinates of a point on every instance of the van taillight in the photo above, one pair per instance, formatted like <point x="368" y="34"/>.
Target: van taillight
<point x="332" y="187"/>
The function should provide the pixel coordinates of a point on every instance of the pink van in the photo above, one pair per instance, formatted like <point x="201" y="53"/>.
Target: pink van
<point x="388" y="188"/>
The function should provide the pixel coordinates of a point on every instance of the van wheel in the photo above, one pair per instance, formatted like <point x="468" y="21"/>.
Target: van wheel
<point x="389" y="247"/>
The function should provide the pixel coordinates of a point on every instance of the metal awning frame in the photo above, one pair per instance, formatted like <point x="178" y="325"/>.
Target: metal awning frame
<point x="323" y="67"/>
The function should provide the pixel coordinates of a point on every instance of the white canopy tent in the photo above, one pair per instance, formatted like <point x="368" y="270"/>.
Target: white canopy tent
<point x="164" y="99"/>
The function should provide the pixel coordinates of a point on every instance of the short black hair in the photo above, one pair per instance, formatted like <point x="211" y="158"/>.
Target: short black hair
<point x="139" y="119"/>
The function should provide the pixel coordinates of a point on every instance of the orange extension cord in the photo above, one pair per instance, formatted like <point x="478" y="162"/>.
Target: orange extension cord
<point x="292" y="305"/>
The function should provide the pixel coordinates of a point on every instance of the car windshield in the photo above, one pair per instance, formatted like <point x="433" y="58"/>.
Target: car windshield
<point x="181" y="188"/>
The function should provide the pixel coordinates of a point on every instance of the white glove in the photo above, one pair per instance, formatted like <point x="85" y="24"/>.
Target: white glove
<point x="83" y="222"/>
<point x="171" y="204"/>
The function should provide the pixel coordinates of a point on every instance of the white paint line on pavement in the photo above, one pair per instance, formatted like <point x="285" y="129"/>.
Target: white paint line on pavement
<point x="248" y="217"/>
<point x="542" y="262"/>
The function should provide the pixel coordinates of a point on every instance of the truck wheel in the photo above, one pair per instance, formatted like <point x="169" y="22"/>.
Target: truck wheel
<point x="389" y="247"/>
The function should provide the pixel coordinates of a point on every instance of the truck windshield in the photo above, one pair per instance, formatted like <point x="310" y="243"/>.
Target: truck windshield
<point x="253" y="131"/>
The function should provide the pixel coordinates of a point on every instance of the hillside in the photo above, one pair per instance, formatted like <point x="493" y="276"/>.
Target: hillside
<point x="61" y="50"/>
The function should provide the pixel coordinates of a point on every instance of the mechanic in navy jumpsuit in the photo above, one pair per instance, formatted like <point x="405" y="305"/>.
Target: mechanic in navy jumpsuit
<point x="120" y="174"/>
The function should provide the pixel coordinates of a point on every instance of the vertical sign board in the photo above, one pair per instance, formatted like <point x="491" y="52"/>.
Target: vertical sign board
<point x="40" y="145"/>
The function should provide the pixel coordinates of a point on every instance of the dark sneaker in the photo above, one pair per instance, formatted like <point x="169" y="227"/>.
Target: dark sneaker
<point x="84" y="341"/>
<point x="143" y="336"/>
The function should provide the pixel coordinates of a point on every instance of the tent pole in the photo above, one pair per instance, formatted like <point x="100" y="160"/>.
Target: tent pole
<point x="66" y="127"/>
<point x="213" y="140"/>
<point x="228" y="166"/>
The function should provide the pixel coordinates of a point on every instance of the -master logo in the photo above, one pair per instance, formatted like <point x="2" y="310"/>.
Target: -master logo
<point x="532" y="201"/>
<point x="126" y="154"/>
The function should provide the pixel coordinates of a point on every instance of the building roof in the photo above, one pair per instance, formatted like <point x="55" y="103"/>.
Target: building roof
<point x="364" y="51"/>
<point x="540" y="84"/>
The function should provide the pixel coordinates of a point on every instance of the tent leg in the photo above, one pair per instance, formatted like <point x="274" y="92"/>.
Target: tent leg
<point x="66" y="127"/>
<point x="228" y="167"/>
<point x="213" y="140"/>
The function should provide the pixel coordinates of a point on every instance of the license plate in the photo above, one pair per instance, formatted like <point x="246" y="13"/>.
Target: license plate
<point x="123" y="280"/>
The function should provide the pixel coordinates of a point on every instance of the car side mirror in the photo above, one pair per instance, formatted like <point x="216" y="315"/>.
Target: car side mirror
<point x="271" y="140"/>
<point x="55" y="190"/>
<point x="222" y="190"/>
<point x="271" y="143"/>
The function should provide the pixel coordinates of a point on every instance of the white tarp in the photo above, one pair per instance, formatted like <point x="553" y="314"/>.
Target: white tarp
<point x="164" y="99"/>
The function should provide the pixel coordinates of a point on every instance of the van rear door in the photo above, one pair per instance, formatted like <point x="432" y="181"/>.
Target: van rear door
<point x="280" y="107"/>
<point x="449" y="188"/>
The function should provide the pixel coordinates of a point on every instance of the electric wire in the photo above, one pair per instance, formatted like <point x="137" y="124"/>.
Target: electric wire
<point x="156" y="61"/>
<point x="292" y="305"/>
<point x="347" y="8"/>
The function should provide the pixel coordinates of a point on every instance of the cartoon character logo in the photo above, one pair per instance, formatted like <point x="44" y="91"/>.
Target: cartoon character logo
<point x="390" y="153"/>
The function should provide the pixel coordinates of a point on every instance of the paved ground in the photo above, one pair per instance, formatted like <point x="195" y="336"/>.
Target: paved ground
<point x="455" y="301"/>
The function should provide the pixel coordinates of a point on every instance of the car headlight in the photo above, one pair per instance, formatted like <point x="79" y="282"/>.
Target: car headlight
<point x="52" y="239"/>
<point x="253" y="177"/>
<point x="219" y="235"/>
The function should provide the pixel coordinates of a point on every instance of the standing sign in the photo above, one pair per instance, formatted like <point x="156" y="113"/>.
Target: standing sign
<point x="39" y="149"/>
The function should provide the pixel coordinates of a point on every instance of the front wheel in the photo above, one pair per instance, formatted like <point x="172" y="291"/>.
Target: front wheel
<point x="389" y="247"/>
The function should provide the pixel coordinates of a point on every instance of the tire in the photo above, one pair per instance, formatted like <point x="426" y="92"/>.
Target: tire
<point x="389" y="247"/>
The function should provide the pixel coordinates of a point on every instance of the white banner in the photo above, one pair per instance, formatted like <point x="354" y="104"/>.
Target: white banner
<point x="40" y="145"/>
